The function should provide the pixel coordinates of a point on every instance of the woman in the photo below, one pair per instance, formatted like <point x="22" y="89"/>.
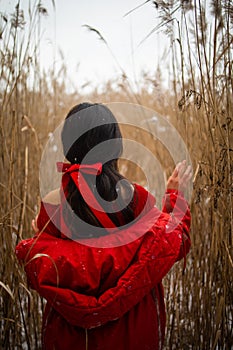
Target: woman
<point x="101" y="246"/>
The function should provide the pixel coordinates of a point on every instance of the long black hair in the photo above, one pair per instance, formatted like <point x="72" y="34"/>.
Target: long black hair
<point x="86" y="129"/>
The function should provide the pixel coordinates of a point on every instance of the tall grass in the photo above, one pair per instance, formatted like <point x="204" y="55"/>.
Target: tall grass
<point x="199" y="104"/>
<point x="201" y="302"/>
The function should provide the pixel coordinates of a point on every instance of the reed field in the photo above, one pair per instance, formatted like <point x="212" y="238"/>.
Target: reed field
<point x="198" y="102"/>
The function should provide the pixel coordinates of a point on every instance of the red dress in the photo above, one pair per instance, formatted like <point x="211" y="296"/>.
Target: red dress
<point x="107" y="298"/>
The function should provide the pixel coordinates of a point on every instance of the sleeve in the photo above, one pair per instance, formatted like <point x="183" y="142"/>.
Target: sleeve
<point x="177" y="207"/>
<point x="22" y="249"/>
<point x="48" y="219"/>
<point x="42" y="217"/>
<point x="142" y="200"/>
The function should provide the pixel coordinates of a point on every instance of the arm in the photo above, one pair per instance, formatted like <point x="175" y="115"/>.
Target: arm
<point x="175" y="204"/>
<point x="52" y="197"/>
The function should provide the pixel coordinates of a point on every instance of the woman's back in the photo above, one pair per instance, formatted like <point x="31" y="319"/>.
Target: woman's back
<point x="102" y="278"/>
<point x="112" y="297"/>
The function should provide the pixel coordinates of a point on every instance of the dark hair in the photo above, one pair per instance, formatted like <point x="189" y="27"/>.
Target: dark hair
<point x="85" y="129"/>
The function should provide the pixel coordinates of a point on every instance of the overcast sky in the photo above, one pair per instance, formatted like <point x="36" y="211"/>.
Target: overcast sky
<point x="85" y="56"/>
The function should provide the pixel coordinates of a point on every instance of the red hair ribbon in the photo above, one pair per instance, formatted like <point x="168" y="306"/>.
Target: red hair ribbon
<point x="76" y="171"/>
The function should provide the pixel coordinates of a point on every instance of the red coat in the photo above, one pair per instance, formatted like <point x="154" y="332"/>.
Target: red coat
<point x="107" y="298"/>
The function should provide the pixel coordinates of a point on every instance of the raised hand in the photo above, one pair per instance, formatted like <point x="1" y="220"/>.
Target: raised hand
<point x="180" y="177"/>
<point x="34" y="225"/>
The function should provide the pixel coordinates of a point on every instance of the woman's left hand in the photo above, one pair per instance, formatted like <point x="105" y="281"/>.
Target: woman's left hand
<point x="34" y="225"/>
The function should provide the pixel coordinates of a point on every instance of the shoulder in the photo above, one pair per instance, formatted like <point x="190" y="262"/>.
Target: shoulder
<point x="142" y="200"/>
<point x="142" y="193"/>
<point x="52" y="197"/>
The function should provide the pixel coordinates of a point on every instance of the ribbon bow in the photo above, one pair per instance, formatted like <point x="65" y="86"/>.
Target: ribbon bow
<point x="92" y="169"/>
<point x="76" y="171"/>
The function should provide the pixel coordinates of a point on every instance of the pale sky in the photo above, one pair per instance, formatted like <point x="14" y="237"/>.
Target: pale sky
<point x="85" y="56"/>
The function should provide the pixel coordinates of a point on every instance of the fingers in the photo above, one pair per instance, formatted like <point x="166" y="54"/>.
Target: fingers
<point x="34" y="226"/>
<point x="179" y="169"/>
<point x="188" y="173"/>
<point x="180" y="177"/>
<point x="186" y="177"/>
